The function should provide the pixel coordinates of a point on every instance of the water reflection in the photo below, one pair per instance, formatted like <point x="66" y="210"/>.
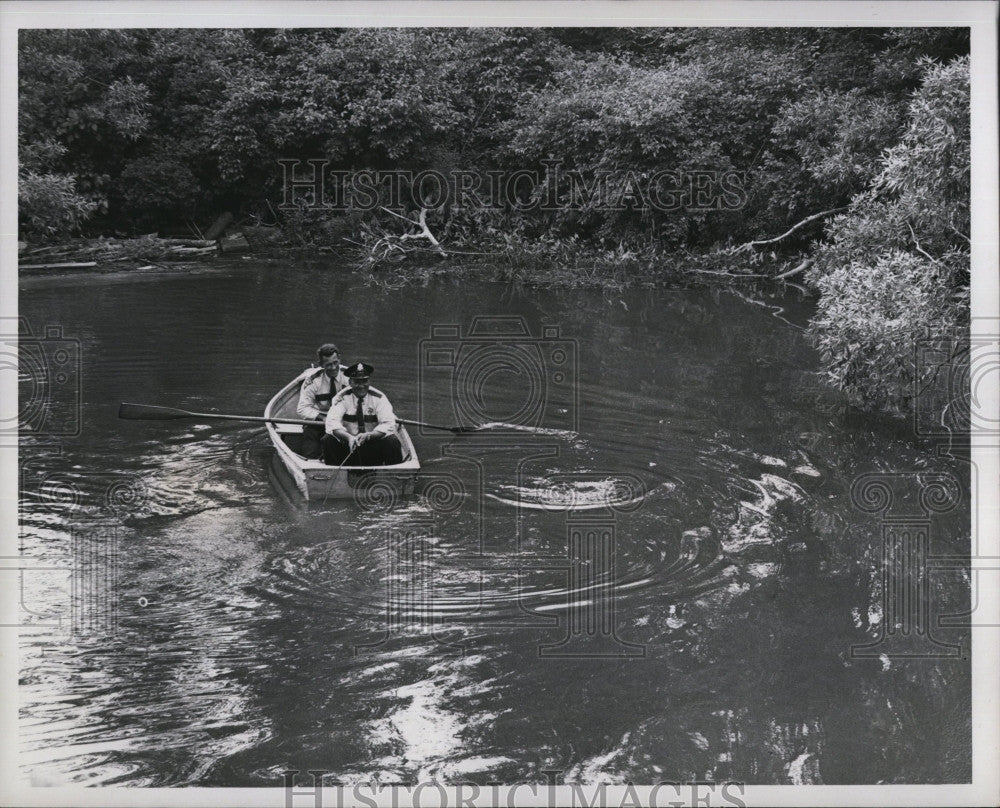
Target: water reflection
<point x="700" y="509"/>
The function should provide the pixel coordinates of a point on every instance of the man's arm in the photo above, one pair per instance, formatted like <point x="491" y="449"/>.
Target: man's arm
<point x="307" y="408"/>
<point x="386" y="417"/>
<point x="335" y="421"/>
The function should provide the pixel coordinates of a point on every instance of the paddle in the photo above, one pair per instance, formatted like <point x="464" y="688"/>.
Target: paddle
<point x="149" y="412"/>
<point x="458" y="430"/>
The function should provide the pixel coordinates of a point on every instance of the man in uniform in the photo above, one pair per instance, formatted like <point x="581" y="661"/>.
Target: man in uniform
<point x="361" y="426"/>
<point x="318" y="390"/>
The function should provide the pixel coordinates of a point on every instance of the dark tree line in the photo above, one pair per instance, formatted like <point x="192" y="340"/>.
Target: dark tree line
<point x="132" y="131"/>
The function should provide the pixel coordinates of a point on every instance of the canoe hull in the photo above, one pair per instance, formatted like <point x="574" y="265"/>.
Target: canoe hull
<point x="318" y="482"/>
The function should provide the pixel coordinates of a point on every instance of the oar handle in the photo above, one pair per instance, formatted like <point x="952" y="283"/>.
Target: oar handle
<point x="151" y="412"/>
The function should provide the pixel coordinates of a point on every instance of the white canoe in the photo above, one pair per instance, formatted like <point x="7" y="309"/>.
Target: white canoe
<point x="316" y="480"/>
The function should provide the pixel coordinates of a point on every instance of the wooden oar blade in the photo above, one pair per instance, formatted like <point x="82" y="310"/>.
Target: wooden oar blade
<point x="457" y="430"/>
<point x="149" y="412"/>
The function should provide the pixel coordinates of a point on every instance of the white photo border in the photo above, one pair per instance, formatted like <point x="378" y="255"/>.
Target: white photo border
<point x="980" y="16"/>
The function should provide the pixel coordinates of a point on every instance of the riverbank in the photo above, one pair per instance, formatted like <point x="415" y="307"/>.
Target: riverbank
<point x="542" y="263"/>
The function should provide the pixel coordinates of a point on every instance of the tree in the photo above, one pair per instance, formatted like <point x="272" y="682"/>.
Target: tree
<point x="893" y="271"/>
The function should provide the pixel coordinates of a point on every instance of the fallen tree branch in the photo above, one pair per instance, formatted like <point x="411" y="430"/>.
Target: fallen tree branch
<point x="776" y="311"/>
<point x="70" y="265"/>
<point x="460" y="252"/>
<point x="424" y="230"/>
<point x="808" y="220"/>
<point x="728" y="274"/>
<point x="800" y="268"/>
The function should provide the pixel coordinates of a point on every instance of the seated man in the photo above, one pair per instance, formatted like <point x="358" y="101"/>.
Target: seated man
<point x="318" y="390"/>
<point x="361" y="426"/>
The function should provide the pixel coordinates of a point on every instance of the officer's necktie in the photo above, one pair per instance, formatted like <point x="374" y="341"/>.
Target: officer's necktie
<point x="360" y="415"/>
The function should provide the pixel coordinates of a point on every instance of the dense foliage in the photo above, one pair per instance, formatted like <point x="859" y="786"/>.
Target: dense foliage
<point x="133" y="131"/>
<point x="167" y="126"/>
<point x="894" y="270"/>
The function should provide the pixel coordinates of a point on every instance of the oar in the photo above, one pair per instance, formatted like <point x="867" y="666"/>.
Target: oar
<point x="149" y="412"/>
<point x="458" y="430"/>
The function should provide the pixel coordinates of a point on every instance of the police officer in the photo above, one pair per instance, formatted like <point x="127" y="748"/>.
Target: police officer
<point x="361" y="426"/>
<point x="318" y="390"/>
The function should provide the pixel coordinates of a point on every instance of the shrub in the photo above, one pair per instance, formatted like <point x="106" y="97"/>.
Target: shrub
<point x="49" y="205"/>
<point x="894" y="269"/>
<point x="871" y="318"/>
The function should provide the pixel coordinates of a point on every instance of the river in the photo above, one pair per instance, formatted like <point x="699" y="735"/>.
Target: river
<point x="667" y="578"/>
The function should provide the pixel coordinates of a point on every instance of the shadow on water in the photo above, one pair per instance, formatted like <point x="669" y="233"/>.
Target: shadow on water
<point x="663" y="581"/>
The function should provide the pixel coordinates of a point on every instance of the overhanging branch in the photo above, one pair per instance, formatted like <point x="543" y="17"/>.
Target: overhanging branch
<point x="808" y="220"/>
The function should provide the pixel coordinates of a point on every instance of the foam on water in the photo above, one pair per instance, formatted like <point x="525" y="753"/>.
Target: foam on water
<point x="567" y="434"/>
<point x="570" y="495"/>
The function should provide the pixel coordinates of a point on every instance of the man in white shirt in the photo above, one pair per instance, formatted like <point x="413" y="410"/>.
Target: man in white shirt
<point x="361" y="425"/>
<point x="318" y="390"/>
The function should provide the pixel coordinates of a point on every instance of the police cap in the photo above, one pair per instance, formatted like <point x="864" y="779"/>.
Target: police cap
<point x="359" y="371"/>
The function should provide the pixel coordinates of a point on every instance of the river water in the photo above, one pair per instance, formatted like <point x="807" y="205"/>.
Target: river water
<point x="665" y="578"/>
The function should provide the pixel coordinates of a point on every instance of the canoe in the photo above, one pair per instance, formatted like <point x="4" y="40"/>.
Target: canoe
<point x="317" y="481"/>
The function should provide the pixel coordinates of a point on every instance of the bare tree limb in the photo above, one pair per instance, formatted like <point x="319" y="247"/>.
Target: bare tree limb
<point x="800" y="268"/>
<point x="920" y="249"/>
<point x="958" y="232"/>
<point x="727" y="274"/>
<point x="809" y="219"/>
<point x="424" y="230"/>
<point x="406" y="219"/>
